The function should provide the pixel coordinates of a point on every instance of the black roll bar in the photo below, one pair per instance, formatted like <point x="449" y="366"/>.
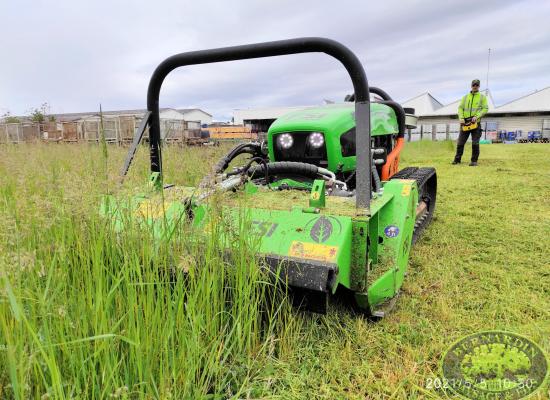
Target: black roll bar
<point x="271" y="49"/>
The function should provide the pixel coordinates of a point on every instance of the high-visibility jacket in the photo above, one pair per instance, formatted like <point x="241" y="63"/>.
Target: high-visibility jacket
<point x="473" y="105"/>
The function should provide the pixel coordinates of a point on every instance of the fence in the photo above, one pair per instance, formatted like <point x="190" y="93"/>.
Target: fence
<point x="441" y="131"/>
<point x="117" y="130"/>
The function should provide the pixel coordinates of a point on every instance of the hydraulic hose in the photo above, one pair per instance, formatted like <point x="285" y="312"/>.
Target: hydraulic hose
<point x="284" y="167"/>
<point x="253" y="148"/>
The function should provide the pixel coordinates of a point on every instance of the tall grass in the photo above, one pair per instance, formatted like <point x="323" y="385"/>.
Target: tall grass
<point x="86" y="312"/>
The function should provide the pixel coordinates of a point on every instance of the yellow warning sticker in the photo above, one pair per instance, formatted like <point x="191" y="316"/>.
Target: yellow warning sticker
<point x="315" y="195"/>
<point x="406" y="190"/>
<point x="149" y="209"/>
<point x="313" y="251"/>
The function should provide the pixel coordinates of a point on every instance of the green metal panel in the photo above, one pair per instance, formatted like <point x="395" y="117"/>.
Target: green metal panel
<point x="394" y="236"/>
<point x="298" y="234"/>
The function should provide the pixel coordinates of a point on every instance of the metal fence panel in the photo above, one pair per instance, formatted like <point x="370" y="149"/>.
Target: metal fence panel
<point x="90" y="130"/>
<point x="441" y="132"/>
<point x="110" y="130"/>
<point x="127" y="129"/>
<point x="69" y="131"/>
<point x="3" y="134"/>
<point x="427" y="131"/>
<point x="50" y="131"/>
<point x="29" y="132"/>
<point x="13" y="133"/>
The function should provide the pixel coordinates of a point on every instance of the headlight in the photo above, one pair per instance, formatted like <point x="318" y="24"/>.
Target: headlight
<point x="285" y="140"/>
<point x="316" y="139"/>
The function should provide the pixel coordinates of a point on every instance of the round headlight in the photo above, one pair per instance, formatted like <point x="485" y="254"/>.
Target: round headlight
<point x="285" y="140"/>
<point x="316" y="139"/>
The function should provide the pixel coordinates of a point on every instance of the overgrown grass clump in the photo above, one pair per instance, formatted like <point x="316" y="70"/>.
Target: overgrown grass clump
<point x="86" y="312"/>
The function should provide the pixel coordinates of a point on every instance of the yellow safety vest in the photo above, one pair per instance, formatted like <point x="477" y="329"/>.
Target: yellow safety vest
<point x="473" y="105"/>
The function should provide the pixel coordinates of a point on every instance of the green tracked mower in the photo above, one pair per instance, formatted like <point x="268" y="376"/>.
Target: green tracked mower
<point x="328" y="203"/>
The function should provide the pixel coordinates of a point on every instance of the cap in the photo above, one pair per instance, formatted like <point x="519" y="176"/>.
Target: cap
<point x="475" y="82"/>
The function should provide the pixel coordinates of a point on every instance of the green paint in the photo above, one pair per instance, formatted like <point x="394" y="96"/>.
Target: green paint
<point x="317" y="196"/>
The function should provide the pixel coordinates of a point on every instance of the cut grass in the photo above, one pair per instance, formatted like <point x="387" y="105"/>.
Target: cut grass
<point x="84" y="314"/>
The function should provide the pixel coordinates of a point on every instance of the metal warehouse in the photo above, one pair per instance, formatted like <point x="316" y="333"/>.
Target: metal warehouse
<point x="530" y="113"/>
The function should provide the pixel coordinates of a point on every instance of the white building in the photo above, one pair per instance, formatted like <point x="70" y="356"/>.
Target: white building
<point x="424" y="103"/>
<point x="437" y="121"/>
<point x="195" y="114"/>
<point x="525" y="114"/>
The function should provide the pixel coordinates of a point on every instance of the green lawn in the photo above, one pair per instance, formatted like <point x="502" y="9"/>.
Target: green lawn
<point x="82" y="314"/>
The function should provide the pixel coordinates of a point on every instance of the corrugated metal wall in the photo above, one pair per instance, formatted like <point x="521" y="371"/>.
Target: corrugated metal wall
<point x="508" y="123"/>
<point x="525" y="124"/>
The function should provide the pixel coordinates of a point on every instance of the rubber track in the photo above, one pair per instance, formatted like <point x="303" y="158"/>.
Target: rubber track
<point x="425" y="192"/>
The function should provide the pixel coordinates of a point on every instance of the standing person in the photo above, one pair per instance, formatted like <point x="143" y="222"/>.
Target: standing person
<point x="472" y="107"/>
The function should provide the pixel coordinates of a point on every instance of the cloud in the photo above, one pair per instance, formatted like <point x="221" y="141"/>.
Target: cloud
<point x="76" y="55"/>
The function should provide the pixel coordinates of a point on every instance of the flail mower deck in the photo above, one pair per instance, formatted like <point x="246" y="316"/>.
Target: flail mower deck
<point x="326" y="198"/>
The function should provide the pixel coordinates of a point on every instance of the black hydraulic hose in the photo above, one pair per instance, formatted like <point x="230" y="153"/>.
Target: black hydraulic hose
<point x="262" y="162"/>
<point x="285" y="167"/>
<point x="244" y="148"/>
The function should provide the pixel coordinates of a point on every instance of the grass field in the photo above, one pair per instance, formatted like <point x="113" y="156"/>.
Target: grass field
<point x="85" y="313"/>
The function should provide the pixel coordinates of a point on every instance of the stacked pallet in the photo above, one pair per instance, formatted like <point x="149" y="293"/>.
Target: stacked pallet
<point x="231" y="132"/>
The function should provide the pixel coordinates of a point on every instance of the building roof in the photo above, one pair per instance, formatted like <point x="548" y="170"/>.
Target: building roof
<point x="537" y="101"/>
<point x="81" y="115"/>
<point x="139" y="112"/>
<point x="188" y="110"/>
<point x="423" y="104"/>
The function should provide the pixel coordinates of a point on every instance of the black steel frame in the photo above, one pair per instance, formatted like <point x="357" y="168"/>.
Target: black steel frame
<point x="271" y="49"/>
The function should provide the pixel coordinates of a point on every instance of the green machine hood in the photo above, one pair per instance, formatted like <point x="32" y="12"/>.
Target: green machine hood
<point x="333" y="121"/>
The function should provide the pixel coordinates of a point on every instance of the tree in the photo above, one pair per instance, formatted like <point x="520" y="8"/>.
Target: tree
<point x="7" y="118"/>
<point x="40" y="114"/>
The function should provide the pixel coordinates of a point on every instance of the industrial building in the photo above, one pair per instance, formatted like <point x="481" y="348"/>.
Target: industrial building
<point x="184" y="114"/>
<point x="526" y="114"/>
<point x="438" y="121"/>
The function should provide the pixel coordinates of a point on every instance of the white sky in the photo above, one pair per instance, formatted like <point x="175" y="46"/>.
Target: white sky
<point x="78" y="54"/>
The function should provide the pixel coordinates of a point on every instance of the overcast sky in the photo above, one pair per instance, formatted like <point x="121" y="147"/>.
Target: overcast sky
<point x="78" y="54"/>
